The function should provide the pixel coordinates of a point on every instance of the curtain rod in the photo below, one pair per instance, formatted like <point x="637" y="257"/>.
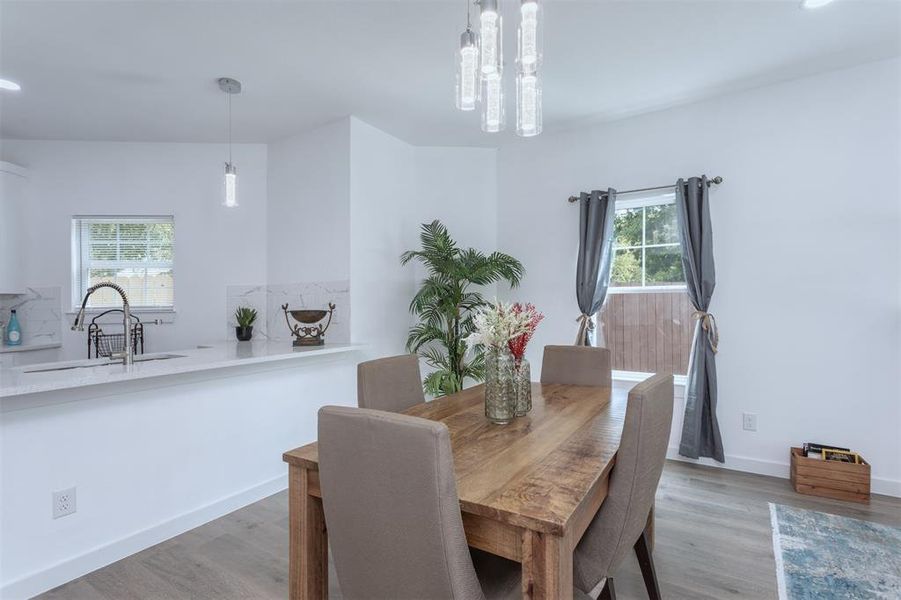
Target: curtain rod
<point x="716" y="180"/>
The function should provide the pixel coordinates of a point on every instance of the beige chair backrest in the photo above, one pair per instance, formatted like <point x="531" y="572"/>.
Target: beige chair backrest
<point x="393" y="384"/>
<point x="391" y="507"/>
<point x="576" y="365"/>
<point x="633" y="482"/>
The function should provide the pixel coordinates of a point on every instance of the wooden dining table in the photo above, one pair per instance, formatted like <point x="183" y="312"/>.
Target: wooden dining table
<point x="528" y="489"/>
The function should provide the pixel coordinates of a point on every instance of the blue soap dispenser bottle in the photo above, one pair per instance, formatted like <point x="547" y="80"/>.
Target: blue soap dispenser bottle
<point x="13" y="330"/>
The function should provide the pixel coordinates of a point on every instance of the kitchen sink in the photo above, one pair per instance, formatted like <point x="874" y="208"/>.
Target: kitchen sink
<point x="94" y="364"/>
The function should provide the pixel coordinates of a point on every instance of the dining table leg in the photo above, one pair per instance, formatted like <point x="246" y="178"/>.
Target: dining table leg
<point x="547" y="566"/>
<point x="308" y="538"/>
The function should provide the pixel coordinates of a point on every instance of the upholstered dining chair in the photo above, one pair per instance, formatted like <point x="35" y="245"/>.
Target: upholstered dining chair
<point x="576" y="365"/>
<point x="620" y="524"/>
<point x="393" y="384"/>
<point x="393" y="515"/>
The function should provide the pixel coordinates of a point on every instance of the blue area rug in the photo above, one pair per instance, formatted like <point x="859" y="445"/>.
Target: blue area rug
<point x="822" y="556"/>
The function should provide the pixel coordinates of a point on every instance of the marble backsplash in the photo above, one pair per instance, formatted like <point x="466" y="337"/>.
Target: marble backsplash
<point x="268" y="301"/>
<point x="253" y="296"/>
<point x="39" y="311"/>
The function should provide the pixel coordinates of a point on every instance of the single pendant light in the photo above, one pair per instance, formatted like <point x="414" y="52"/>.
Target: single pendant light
<point x="528" y="59"/>
<point x="467" y="60"/>
<point x="230" y="86"/>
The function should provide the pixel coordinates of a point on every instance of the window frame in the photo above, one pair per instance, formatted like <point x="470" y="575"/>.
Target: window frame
<point x="643" y="201"/>
<point x="81" y="262"/>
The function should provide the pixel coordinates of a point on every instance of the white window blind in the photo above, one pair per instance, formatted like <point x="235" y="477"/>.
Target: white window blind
<point x="134" y="252"/>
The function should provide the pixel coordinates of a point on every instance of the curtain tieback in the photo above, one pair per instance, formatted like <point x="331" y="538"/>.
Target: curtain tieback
<point x="587" y="321"/>
<point x="708" y="324"/>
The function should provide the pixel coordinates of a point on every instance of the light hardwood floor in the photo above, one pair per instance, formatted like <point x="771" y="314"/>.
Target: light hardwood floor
<point x="712" y="542"/>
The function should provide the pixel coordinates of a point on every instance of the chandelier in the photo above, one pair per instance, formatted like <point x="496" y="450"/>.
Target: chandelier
<point x="480" y="67"/>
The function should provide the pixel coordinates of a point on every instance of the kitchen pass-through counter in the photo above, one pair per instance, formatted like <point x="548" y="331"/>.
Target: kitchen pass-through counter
<point x="153" y="450"/>
<point x="32" y="379"/>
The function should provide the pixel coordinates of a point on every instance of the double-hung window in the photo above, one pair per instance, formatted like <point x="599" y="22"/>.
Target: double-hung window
<point x="646" y="317"/>
<point x="646" y="250"/>
<point x="135" y="252"/>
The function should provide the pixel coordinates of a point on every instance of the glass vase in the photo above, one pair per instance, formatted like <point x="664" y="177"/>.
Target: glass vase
<point x="522" y="387"/>
<point x="500" y="398"/>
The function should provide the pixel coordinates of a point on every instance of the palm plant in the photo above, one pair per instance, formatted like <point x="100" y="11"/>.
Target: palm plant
<point x="445" y="304"/>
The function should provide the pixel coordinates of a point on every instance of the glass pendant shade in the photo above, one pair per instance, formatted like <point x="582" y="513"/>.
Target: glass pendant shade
<point x="230" y="86"/>
<point x="231" y="183"/>
<point x="529" y="36"/>
<point x="493" y="119"/>
<point x="467" y="60"/>
<point x="528" y="104"/>
<point x="490" y="38"/>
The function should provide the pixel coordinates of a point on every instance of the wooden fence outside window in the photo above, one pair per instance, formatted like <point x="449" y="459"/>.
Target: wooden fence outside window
<point x="649" y="332"/>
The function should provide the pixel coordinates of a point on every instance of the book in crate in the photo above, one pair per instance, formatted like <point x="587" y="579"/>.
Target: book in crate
<point x="830" y="478"/>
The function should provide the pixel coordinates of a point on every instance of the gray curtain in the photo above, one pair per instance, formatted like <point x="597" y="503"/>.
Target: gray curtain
<point x="596" y="211"/>
<point x="700" y="429"/>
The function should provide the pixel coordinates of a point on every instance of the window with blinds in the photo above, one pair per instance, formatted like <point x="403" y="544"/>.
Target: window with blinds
<point x="134" y="252"/>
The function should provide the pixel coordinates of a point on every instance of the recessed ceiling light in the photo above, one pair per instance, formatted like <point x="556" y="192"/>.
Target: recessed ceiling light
<point x="6" y="84"/>
<point x="814" y="3"/>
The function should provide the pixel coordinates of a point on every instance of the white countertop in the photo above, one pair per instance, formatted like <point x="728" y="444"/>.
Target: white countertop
<point x="30" y="379"/>
<point x="29" y="347"/>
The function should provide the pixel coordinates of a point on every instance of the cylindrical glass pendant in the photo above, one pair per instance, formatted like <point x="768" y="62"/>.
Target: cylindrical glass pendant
<point x="529" y="36"/>
<point x="528" y="104"/>
<point x="467" y="60"/>
<point x="231" y="183"/>
<point x="490" y="37"/>
<point x="493" y="115"/>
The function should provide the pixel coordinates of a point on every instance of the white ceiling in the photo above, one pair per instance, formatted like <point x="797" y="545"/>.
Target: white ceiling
<point x="146" y="70"/>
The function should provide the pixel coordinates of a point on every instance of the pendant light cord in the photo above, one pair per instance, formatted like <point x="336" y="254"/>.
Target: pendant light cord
<point x="229" y="104"/>
<point x="468" y="18"/>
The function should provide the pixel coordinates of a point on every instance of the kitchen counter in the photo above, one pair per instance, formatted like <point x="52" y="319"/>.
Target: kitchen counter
<point x="29" y="347"/>
<point x="32" y="379"/>
<point x="154" y="449"/>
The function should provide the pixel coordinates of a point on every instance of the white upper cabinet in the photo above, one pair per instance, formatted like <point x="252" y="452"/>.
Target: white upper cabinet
<point x="13" y="182"/>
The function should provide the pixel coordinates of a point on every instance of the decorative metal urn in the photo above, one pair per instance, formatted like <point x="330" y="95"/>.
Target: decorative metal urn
<point x="308" y="334"/>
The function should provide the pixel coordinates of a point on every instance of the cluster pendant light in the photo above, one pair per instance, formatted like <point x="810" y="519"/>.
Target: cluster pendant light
<point x="480" y="68"/>
<point x="230" y="87"/>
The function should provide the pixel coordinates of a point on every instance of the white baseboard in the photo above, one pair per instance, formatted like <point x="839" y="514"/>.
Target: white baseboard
<point x="72" y="568"/>
<point x="878" y="485"/>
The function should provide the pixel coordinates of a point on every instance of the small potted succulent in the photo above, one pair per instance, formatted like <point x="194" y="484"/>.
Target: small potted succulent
<point x="244" y="317"/>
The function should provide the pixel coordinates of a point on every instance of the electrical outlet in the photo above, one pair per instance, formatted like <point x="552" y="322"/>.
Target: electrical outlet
<point x="63" y="503"/>
<point x="749" y="421"/>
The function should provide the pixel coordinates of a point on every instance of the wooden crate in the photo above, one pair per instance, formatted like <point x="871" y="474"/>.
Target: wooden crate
<point x="830" y="479"/>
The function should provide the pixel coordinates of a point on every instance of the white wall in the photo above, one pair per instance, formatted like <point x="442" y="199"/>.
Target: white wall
<point x="395" y="188"/>
<point x="297" y="220"/>
<point x="214" y="246"/>
<point x="806" y="240"/>
<point x="383" y="221"/>
<point x="459" y="187"/>
<point x="309" y="206"/>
